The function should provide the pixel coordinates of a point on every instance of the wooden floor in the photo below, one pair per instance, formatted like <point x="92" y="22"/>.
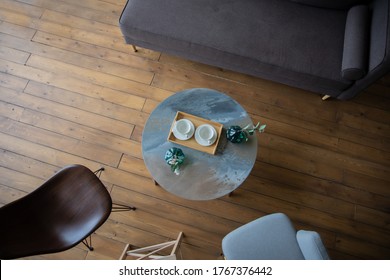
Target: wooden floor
<point x="71" y="92"/>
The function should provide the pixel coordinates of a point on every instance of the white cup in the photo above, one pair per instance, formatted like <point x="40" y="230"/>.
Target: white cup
<point x="183" y="127"/>
<point x="206" y="133"/>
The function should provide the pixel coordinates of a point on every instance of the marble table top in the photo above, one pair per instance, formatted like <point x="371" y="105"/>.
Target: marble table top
<point x="203" y="176"/>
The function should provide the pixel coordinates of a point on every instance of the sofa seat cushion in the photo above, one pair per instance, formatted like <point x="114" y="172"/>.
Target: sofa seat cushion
<point x="279" y="40"/>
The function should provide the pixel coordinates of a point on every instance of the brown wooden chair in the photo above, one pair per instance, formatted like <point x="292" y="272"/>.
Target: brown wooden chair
<point x="57" y="216"/>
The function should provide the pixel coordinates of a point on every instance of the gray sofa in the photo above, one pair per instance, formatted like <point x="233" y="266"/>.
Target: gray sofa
<point x="330" y="47"/>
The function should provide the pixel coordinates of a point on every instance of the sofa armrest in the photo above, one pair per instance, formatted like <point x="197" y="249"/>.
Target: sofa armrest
<point x="355" y="53"/>
<point x="311" y="245"/>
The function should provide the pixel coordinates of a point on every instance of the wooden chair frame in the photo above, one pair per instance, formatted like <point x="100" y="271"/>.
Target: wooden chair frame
<point x="150" y="252"/>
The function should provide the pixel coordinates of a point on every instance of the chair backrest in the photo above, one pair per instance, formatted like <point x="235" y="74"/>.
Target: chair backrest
<point x="58" y="215"/>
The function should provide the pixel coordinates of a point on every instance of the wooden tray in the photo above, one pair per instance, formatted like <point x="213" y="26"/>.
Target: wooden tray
<point x="191" y="143"/>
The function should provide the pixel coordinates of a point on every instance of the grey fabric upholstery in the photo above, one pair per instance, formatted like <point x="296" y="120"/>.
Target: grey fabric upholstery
<point x="311" y="245"/>
<point x="272" y="237"/>
<point x="280" y="40"/>
<point x="332" y="4"/>
<point x="355" y="53"/>
<point x="379" y="48"/>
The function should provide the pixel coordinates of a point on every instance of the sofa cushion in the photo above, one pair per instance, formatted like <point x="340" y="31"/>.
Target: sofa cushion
<point x="332" y="4"/>
<point x="278" y="40"/>
<point x="355" y="54"/>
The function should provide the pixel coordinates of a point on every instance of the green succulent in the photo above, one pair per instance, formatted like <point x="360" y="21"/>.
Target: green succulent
<point x="236" y="134"/>
<point x="174" y="157"/>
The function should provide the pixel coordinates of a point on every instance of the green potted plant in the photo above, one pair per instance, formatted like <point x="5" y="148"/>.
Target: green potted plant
<point x="236" y="134"/>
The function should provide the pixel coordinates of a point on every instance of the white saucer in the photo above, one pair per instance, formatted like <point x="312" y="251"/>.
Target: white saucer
<point x="184" y="137"/>
<point x="203" y="142"/>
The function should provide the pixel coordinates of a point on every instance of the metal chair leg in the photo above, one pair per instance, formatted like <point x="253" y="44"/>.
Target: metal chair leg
<point x="99" y="172"/>
<point x="87" y="243"/>
<point x="116" y="207"/>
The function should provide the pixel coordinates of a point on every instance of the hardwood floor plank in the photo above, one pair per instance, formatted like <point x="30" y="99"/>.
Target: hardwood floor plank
<point x="302" y="197"/>
<point x="134" y="165"/>
<point x="336" y="160"/>
<point x="130" y="59"/>
<point x="366" y="250"/>
<point x="363" y="152"/>
<point x="92" y="76"/>
<point x="13" y="55"/>
<point x="72" y="92"/>
<point x="9" y="194"/>
<point x="16" y="30"/>
<point x="61" y="142"/>
<point x="104" y="248"/>
<point x="88" y="104"/>
<point x="274" y="97"/>
<point x="149" y="105"/>
<point x="71" y="254"/>
<point x="21" y="8"/>
<point x="25" y="72"/>
<point x="302" y="135"/>
<point x="96" y="62"/>
<point x="367" y="183"/>
<point x="42" y="153"/>
<point x="22" y="183"/>
<point x="69" y="32"/>
<point x="12" y="82"/>
<point x="10" y="110"/>
<point x="299" y="164"/>
<point x="82" y="133"/>
<point x="99" y="5"/>
<point x="374" y="127"/>
<point x="81" y="23"/>
<point x="372" y="217"/>
<point x="367" y="194"/>
<point x="73" y="9"/>
<point x="68" y="113"/>
<point x="26" y="165"/>
<point x="95" y="58"/>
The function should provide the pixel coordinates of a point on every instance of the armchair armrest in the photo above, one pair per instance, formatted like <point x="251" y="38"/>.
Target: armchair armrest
<point x="311" y="245"/>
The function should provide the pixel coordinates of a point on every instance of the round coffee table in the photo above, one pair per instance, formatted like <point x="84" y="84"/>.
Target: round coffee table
<point x="203" y="176"/>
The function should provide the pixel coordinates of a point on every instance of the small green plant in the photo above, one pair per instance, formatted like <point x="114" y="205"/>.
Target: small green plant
<point x="236" y="134"/>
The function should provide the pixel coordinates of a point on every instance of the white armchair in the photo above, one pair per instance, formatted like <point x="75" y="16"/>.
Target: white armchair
<point x="273" y="237"/>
